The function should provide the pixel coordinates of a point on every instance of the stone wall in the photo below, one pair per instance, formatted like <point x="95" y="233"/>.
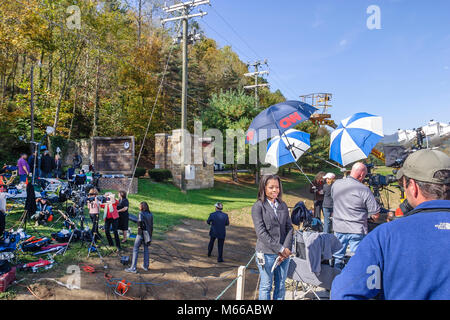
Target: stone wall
<point x="83" y="147"/>
<point x="168" y="156"/>
<point x="118" y="184"/>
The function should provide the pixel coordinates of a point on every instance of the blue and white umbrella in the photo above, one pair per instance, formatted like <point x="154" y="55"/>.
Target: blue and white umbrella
<point x="282" y="149"/>
<point x="355" y="137"/>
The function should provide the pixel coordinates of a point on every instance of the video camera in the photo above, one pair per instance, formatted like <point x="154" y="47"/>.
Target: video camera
<point x="101" y="199"/>
<point x="378" y="180"/>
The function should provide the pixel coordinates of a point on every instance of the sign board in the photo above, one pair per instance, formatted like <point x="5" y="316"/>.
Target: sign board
<point x="113" y="155"/>
<point x="189" y="172"/>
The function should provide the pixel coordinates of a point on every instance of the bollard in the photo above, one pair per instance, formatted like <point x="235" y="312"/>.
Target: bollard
<point x="240" y="286"/>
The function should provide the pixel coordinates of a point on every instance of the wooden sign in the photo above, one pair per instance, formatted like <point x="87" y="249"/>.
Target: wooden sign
<point x="114" y="155"/>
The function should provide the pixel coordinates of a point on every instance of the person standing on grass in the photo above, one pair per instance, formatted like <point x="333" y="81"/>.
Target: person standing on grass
<point x="94" y="210"/>
<point x="274" y="230"/>
<point x="218" y="221"/>
<point x="317" y="189"/>
<point x="327" y="201"/>
<point x="47" y="165"/>
<point x="122" y="209"/>
<point x="23" y="167"/>
<point x="143" y="237"/>
<point x="111" y="217"/>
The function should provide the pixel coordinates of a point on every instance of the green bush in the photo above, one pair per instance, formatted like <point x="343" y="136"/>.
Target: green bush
<point x="140" y="172"/>
<point x="160" y="175"/>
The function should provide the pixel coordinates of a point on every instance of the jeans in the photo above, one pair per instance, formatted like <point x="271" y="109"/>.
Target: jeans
<point x="347" y="239"/>
<point x="94" y="219"/>
<point x="220" y="243"/>
<point x="112" y="223"/>
<point x="278" y="276"/>
<point x="318" y="209"/>
<point x="137" y="243"/>
<point x="327" y="212"/>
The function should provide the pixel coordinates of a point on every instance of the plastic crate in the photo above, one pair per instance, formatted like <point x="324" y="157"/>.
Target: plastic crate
<point x="7" y="278"/>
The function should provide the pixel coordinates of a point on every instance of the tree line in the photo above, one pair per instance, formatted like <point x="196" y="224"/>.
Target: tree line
<point x="102" y="79"/>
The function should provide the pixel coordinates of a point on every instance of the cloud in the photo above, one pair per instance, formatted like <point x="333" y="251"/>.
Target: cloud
<point x="446" y="68"/>
<point x="343" y="42"/>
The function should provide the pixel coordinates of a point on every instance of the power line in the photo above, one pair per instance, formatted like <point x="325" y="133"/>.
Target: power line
<point x="246" y="43"/>
<point x="240" y="51"/>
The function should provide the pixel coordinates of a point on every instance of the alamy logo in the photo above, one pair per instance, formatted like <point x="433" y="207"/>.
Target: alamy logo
<point x="443" y="226"/>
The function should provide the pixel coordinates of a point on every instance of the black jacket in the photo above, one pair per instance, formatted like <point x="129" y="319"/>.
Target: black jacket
<point x="218" y="220"/>
<point x="272" y="232"/>
<point x="77" y="161"/>
<point x="145" y="222"/>
<point x="47" y="163"/>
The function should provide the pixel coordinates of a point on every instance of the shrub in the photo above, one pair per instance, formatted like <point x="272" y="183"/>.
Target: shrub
<point x="160" y="175"/>
<point x="140" y="172"/>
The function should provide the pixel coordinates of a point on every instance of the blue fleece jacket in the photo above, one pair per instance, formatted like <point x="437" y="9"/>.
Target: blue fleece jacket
<point x="407" y="259"/>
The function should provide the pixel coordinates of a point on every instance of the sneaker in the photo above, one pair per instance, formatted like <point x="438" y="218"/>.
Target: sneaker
<point x="130" y="270"/>
<point x="145" y="269"/>
<point x="220" y="261"/>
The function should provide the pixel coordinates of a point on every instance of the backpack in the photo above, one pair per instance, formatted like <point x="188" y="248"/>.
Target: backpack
<point x="300" y="214"/>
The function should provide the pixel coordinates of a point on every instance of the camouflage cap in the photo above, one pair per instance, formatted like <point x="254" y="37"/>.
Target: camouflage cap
<point x="423" y="164"/>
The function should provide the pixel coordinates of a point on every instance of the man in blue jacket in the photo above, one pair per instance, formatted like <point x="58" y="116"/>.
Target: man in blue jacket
<point x="408" y="258"/>
<point x="218" y="221"/>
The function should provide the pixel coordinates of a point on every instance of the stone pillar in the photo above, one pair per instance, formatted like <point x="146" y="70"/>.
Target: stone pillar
<point x="161" y="144"/>
<point x="168" y="153"/>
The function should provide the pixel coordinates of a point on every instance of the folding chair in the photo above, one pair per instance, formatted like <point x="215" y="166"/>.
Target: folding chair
<point x="309" y="281"/>
<point x="299" y="270"/>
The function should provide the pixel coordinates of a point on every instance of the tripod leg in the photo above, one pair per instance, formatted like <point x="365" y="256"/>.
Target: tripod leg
<point x="70" y="239"/>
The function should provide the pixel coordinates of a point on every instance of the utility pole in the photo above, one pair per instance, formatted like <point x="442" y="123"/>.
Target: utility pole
<point x="32" y="102"/>
<point x="255" y="74"/>
<point x="184" y="8"/>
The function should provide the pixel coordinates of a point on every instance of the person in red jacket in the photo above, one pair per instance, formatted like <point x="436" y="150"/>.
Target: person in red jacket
<point x="111" y="217"/>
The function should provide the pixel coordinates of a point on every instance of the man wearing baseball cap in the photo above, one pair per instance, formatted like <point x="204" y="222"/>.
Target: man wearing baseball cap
<point x="218" y="221"/>
<point x="408" y="258"/>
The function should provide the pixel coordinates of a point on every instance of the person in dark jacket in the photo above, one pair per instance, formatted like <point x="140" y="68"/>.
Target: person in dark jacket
<point x="77" y="161"/>
<point x="274" y="233"/>
<point x="122" y="209"/>
<point x="31" y="161"/>
<point x="327" y="205"/>
<point x="143" y="237"/>
<point x="218" y="221"/>
<point x="47" y="165"/>
<point x="317" y="189"/>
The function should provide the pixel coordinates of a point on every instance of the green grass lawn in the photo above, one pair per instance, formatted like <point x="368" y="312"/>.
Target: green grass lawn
<point x="383" y="170"/>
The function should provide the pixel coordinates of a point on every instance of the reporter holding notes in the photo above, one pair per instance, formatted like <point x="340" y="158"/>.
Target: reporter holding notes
<point x="274" y="231"/>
